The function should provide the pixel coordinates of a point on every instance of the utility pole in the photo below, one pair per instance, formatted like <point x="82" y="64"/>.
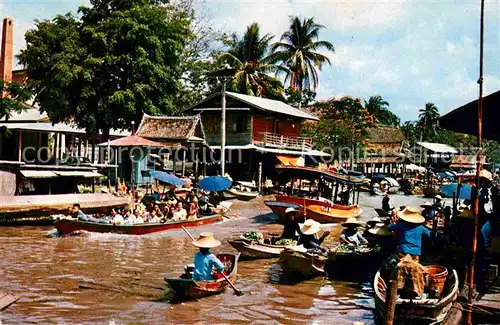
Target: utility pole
<point x="223" y="131"/>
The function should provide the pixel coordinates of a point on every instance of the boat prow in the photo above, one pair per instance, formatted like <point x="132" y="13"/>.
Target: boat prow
<point x="302" y="265"/>
<point x="333" y="214"/>
<point x="256" y="250"/>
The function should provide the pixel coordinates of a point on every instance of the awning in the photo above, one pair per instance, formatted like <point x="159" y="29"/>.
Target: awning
<point x="438" y="147"/>
<point x="380" y="160"/>
<point x="57" y="128"/>
<point x="38" y="174"/>
<point x="296" y="153"/>
<point x="71" y="173"/>
<point x="287" y="160"/>
<point x="92" y="174"/>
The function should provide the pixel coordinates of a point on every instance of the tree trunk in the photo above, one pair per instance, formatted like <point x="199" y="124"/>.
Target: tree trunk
<point x="105" y="134"/>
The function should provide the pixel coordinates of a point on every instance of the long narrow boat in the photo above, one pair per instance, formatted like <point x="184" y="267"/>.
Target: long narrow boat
<point x="66" y="226"/>
<point x="424" y="311"/>
<point x="334" y="214"/>
<point x="352" y="263"/>
<point x="302" y="265"/>
<point x="240" y="195"/>
<point x="186" y="288"/>
<point x="256" y="250"/>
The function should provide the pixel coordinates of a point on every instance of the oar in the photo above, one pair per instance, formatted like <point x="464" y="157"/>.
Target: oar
<point x="236" y="291"/>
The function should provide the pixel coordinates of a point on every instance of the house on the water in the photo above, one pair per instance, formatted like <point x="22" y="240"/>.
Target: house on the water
<point x="384" y="151"/>
<point x="258" y="131"/>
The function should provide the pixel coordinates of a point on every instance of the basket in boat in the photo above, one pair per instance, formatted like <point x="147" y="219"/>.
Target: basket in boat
<point x="436" y="278"/>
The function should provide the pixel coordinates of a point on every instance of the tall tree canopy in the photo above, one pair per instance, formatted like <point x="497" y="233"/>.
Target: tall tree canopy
<point x="249" y="66"/>
<point x="297" y="51"/>
<point x="379" y="108"/>
<point x="12" y="97"/>
<point x="427" y="119"/>
<point x="107" y="66"/>
<point x="343" y="124"/>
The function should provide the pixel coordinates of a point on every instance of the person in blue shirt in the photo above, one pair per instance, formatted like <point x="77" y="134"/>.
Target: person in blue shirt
<point x="204" y="260"/>
<point x="410" y="230"/>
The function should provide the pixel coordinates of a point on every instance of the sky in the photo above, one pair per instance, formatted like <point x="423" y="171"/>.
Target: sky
<point x="409" y="52"/>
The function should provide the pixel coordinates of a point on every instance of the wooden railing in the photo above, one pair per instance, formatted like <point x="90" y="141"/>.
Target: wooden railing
<point x="282" y="141"/>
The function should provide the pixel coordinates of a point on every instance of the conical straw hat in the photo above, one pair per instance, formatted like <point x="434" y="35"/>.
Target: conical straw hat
<point x="351" y="222"/>
<point x="206" y="240"/>
<point x="373" y="221"/>
<point x="411" y="215"/>
<point x="380" y="230"/>
<point x="310" y="227"/>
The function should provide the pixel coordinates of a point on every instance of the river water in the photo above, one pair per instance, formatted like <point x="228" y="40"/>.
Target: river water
<point x="103" y="278"/>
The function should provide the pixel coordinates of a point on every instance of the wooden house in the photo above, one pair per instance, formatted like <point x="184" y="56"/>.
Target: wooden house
<point x="258" y="131"/>
<point x="383" y="152"/>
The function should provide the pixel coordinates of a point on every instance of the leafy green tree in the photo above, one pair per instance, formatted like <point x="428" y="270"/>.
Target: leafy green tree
<point x="343" y="124"/>
<point x="13" y="95"/>
<point x="297" y="51"/>
<point x="295" y="97"/>
<point x="107" y="66"/>
<point x="411" y="131"/>
<point x="249" y="67"/>
<point x="427" y="119"/>
<point x="379" y="108"/>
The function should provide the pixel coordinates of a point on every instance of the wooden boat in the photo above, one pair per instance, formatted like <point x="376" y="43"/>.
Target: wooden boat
<point x="334" y="214"/>
<point x="279" y="208"/>
<point x="303" y="265"/>
<point x="241" y="195"/>
<point x="346" y="262"/>
<point x="314" y="209"/>
<point x="255" y="250"/>
<point x="381" y="213"/>
<point x="425" y="311"/>
<point x="186" y="288"/>
<point x="66" y="226"/>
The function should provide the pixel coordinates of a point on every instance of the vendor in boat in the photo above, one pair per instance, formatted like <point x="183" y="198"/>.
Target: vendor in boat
<point x="428" y="211"/>
<point x="410" y="230"/>
<point x="350" y="235"/>
<point x="204" y="260"/>
<point x="307" y="236"/>
<point x="291" y="229"/>
<point x="386" y="203"/>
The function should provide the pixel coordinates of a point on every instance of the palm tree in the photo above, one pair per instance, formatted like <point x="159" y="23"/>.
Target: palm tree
<point x="297" y="52"/>
<point x="379" y="108"/>
<point x="249" y="66"/>
<point x="427" y="118"/>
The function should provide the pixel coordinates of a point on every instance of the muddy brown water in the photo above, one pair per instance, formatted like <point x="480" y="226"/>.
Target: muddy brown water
<point x="100" y="278"/>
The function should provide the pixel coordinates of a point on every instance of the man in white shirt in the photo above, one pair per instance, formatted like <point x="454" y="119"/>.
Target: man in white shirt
<point x="117" y="218"/>
<point x="180" y="213"/>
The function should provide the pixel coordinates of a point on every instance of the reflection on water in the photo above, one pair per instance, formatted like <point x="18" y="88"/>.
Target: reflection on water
<point x="99" y="277"/>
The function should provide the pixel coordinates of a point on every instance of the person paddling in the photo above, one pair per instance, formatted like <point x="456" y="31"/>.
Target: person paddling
<point x="307" y="237"/>
<point x="204" y="260"/>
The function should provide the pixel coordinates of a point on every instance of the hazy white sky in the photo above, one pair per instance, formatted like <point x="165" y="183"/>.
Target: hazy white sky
<point x="409" y="52"/>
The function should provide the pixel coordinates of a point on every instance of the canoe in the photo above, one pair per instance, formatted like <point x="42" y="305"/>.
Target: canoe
<point x="66" y="226"/>
<point x="425" y="311"/>
<point x="241" y="195"/>
<point x="302" y="265"/>
<point x="335" y="214"/>
<point x="256" y="250"/>
<point x="279" y="208"/>
<point x="186" y="288"/>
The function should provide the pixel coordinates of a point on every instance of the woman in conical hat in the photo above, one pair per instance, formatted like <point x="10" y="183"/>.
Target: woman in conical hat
<point x="351" y="235"/>
<point x="204" y="260"/>
<point x="410" y="230"/>
<point x="373" y="221"/>
<point x="307" y="237"/>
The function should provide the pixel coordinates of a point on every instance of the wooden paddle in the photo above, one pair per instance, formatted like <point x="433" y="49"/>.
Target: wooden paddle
<point x="236" y="290"/>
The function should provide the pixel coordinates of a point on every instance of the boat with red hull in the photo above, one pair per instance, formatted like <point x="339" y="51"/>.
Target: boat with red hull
<point x="66" y="226"/>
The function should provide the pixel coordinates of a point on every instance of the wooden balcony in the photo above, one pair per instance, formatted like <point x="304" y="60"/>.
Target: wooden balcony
<point x="273" y="140"/>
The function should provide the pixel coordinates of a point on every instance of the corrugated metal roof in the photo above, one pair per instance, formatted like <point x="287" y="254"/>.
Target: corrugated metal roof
<point x="438" y="147"/>
<point x="57" y="128"/>
<point x="271" y="105"/>
<point x="38" y="174"/>
<point x="315" y="153"/>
